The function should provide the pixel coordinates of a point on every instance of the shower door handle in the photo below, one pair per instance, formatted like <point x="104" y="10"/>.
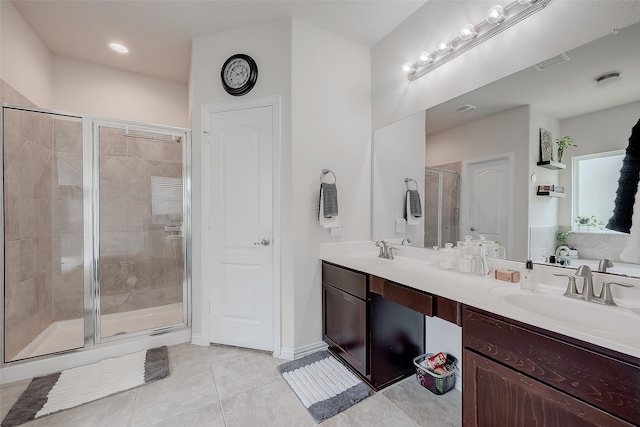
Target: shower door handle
<point x="173" y="228"/>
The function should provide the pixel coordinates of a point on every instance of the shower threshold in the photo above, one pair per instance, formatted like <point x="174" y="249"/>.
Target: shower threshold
<point x="65" y="335"/>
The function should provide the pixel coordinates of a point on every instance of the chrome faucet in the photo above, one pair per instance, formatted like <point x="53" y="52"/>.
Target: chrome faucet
<point x="587" y="287"/>
<point x="386" y="251"/>
<point x="606" y="297"/>
<point x="604" y="264"/>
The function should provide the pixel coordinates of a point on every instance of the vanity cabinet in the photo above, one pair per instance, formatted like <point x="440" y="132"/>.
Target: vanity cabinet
<point x="345" y="315"/>
<point x="364" y="324"/>
<point x="519" y="375"/>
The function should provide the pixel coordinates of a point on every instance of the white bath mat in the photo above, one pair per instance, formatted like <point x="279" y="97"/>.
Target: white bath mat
<point x="76" y="386"/>
<point x="324" y="386"/>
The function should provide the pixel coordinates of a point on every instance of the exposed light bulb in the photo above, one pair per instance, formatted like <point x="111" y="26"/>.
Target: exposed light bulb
<point x="118" y="47"/>
<point x="444" y="47"/>
<point x="467" y="32"/>
<point x="495" y="15"/>
<point x="425" y="57"/>
<point x="407" y="67"/>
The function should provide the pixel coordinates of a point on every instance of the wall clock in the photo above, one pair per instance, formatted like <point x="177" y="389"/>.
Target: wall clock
<point x="239" y="74"/>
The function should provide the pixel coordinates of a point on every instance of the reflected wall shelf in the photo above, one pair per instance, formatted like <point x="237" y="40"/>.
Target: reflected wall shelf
<point x="550" y="194"/>
<point x="550" y="164"/>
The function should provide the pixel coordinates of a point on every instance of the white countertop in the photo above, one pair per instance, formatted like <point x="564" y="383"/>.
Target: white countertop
<point x="616" y="328"/>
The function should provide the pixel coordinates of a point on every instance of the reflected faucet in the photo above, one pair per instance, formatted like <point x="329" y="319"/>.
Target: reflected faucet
<point x="604" y="264"/>
<point x="406" y="239"/>
<point x="587" y="287"/>
<point x="386" y="251"/>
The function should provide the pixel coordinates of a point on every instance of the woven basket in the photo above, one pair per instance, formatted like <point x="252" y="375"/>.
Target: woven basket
<point x="435" y="383"/>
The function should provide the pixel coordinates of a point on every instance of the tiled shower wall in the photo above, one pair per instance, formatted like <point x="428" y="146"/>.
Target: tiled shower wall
<point x="140" y="263"/>
<point x="28" y="170"/>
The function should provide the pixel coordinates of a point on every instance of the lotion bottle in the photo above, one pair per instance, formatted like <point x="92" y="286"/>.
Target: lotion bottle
<point x="528" y="277"/>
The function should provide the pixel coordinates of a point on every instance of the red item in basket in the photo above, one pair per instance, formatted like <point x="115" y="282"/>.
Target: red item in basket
<point x="436" y="360"/>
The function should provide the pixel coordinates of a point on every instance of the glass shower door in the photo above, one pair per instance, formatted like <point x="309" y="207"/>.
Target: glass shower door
<point x="44" y="224"/>
<point x="141" y="243"/>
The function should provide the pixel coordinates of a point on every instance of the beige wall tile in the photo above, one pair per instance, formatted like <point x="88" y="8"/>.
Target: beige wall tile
<point x="112" y="142"/>
<point x="67" y="136"/>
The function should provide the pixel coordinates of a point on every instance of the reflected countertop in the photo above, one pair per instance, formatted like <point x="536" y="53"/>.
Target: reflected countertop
<point x="615" y="328"/>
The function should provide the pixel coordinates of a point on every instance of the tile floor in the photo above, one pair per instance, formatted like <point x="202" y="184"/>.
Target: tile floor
<point x="221" y="386"/>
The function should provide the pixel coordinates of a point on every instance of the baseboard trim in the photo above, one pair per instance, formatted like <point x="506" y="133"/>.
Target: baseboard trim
<point x="197" y="339"/>
<point x="297" y="353"/>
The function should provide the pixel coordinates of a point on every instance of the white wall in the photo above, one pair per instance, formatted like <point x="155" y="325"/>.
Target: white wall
<point x="502" y="133"/>
<point x="605" y="130"/>
<point x="92" y="89"/>
<point x="331" y="125"/>
<point x="325" y="124"/>
<point x="398" y="153"/>
<point x="25" y="62"/>
<point x="269" y="44"/>
<point x="562" y="25"/>
<point x="543" y="211"/>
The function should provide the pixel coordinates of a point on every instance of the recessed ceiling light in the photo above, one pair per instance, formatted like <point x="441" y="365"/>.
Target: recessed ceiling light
<point x="118" y="47"/>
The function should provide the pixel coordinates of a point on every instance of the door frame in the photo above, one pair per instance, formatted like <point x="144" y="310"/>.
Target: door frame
<point x="243" y="104"/>
<point x="464" y="199"/>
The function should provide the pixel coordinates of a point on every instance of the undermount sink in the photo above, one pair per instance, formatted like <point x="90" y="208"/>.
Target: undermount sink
<point x="600" y="319"/>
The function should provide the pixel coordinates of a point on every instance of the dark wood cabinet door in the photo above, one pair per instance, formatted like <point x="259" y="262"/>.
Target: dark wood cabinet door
<point x="345" y="326"/>
<point x="397" y="337"/>
<point x="499" y="396"/>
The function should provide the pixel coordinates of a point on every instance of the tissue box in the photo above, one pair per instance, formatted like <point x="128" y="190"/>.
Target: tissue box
<point x="510" y="276"/>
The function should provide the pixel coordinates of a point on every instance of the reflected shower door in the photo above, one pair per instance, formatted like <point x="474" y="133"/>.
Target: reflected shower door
<point x="43" y="233"/>
<point x="141" y="256"/>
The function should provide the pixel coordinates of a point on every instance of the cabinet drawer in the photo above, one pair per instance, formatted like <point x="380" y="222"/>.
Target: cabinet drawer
<point x="347" y="280"/>
<point x="604" y="381"/>
<point x="408" y="297"/>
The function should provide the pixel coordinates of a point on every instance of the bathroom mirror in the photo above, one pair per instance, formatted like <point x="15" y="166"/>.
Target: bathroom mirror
<point x="504" y="119"/>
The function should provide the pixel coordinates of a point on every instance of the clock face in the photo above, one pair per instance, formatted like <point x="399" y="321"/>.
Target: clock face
<point x="239" y="74"/>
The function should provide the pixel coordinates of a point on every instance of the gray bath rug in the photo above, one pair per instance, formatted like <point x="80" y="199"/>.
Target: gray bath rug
<point x="324" y="386"/>
<point x="74" y="387"/>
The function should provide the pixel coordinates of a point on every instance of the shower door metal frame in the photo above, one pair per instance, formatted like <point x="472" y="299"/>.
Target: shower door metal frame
<point x="439" y="172"/>
<point x="90" y="207"/>
<point x="186" y="224"/>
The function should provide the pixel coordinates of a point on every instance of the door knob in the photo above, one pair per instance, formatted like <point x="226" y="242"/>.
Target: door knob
<point x="263" y="242"/>
<point x="473" y="229"/>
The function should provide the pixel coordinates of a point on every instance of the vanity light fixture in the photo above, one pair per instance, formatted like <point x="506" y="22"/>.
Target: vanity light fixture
<point x="498" y="19"/>
<point x="118" y="47"/>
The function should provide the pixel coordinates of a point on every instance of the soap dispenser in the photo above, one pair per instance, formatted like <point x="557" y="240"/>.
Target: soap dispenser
<point x="527" y="277"/>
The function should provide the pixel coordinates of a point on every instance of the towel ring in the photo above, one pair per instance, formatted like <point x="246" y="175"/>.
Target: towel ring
<point x="327" y="171"/>
<point x="408" y="180"/>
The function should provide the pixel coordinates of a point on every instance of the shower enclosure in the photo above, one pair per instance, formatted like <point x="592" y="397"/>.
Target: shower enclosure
<point x="442" y="206"/>
<point x="95" y="231"/>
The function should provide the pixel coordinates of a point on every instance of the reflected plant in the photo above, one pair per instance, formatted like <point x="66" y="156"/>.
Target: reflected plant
<point x="562" y="236"/>
<point x="589" y="221"/>
<point x="563" y="143"/>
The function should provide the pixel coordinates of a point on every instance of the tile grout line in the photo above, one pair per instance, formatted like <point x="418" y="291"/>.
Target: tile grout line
<point x="215" y="384"/>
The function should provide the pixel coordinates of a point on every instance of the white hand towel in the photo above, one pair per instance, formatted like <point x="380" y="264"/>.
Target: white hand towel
<point x="326" y="222"/>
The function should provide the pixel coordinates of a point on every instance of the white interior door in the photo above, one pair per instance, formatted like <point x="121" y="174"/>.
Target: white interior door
<point x="486" y="203"/>
<point x="240" y="227"/>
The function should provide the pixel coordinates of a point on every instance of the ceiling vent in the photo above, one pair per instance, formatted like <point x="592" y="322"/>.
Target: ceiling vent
<point x="465" y="108"/>
<point x="553" y="61"/>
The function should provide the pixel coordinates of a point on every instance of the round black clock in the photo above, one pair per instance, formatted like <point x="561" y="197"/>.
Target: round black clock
<point x="239" y="74"/>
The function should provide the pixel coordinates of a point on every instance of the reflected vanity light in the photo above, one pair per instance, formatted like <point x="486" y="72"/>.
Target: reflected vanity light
<point x="498" y="19"/>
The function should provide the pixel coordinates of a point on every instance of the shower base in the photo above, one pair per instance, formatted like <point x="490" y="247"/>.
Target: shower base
<point x="69" y="334"/>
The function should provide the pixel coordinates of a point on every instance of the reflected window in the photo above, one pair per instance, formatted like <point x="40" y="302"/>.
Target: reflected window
<point x="595" y="182"/>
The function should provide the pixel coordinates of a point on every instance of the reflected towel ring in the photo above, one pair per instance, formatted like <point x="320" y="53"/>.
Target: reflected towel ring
<point x="327" y="171"/>
<point x="408" y="180"/>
